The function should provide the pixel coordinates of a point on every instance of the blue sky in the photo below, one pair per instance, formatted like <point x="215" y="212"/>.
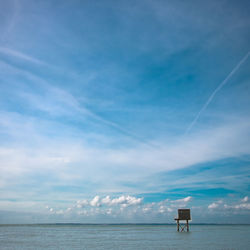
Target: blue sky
<point x="124" y="111"/>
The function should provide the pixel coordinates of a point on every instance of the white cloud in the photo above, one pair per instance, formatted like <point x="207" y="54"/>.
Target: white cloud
<point x="66" y="149"/>
<point x="181" y="202"/>
<point x="162" y="209"/>
<point x="127" y="205"/>
<point x="215" y="204"/>
<point x="95" y="202"/>
<point x="233" y="206"/>
<point x="82" y="203"/>
<point x="245" y="199"/>
<point x="32" y="148"/>
<point x="123" y="200"/>
<point x="124" y="206"/>
<point x="170" y="209"/>
<point x="106" y="200"/>
<point x="241" y="206"/>
<point x="146" y="209"/>
<point x="109" y="211"/>
<point x="126" y="200"/>
<point x="69" y="209"/>
<point x="104" y="205"/>
<point x="184" y="200"/>
<point x="60" y="212"/>
<point x="83" y="212"/>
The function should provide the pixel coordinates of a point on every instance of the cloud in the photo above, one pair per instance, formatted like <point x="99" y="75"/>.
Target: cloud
<point x="164" y="209"/>
<point x="100" y="208"/>
<point x="180" y="203"/>
<point x="124" y="205"/>
<point x="242" y="206"/>
<point x="126" y="200"/>
<point x="60" y="212"/>
<point x="31" y="148"/>
<point x="82" y="203"/>
<point x="245" y="199"/>
<point x="215" y="204"/>
<point x="121" y="200"/>
<point x="109" y="211"/>
<point x="218" y="205"/>
<point x="58" y="102"/>
<point x="106" y="200"/>
<point x="95" y="202"/>
<point x="184" y="200"/>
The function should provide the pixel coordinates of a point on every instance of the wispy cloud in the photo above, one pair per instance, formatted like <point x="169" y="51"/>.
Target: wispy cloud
<point x="97" y="117"/>
<point x="31" y="147"/>
<point x="58" y="102"/>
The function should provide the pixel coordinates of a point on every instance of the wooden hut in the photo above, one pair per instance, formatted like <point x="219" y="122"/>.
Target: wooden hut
<point x="183" y="215"/>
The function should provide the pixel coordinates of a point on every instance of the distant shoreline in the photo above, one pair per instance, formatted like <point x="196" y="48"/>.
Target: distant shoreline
<point x="119" y="224"/>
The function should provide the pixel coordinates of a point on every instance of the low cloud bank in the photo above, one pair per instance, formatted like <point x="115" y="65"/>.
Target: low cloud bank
<point x="125" y="205"/>
<point x="243" y="204"/>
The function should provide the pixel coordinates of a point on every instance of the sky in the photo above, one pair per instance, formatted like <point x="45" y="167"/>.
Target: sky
<point x="124" y="111"/>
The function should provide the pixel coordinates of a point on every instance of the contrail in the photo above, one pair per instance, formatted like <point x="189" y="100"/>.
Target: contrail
<point x="117" y="127"/>
<point x="12" y="21"/>
<point x="216" y="90"/>
<point x="74" y="104"/>
<point x="20" y="55"/>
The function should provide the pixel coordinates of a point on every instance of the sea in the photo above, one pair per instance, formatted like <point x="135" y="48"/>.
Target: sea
<point x="132" y="236"/>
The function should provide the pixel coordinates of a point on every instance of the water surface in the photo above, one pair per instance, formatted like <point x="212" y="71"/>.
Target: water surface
<point x="74" y="236"/>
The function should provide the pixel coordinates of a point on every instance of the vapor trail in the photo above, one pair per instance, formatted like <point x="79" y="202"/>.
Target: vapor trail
<point x="66" y="98"/>
<point x="224" y="82"/>
<point x="20" y="55"/>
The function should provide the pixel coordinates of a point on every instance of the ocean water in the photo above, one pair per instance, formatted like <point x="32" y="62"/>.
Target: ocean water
<point x="68" y="236"/>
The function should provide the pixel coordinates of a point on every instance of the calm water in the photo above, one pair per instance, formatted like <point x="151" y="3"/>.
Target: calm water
<point x="123" y="237"/>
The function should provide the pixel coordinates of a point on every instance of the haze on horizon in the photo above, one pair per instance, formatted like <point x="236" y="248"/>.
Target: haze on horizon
<point x="124" y="111"/>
